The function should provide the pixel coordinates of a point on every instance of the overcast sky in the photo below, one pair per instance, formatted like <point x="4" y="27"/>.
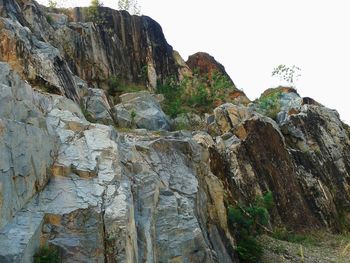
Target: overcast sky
<point x="251" y="37"/>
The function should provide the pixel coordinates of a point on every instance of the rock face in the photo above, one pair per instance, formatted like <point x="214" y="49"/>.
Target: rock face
<point x="69" y="180"/>
<point x="108" y="193"/>
<point x="33" y="58"/>
<point x="303" y="162"/>
<point x="25" y="145"/>
<point x="132" y="48"/>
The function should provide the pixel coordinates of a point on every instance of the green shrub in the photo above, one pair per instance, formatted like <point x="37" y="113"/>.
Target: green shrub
<point x="113" y="84"/>
<point x="49" y="19"/>
<point x="180" y="125"/>
<point x="193" y="92"/>
<point x="269" y="105"/>
<point x="133" y="116"/>
<point x="94" y="13"/>
<point x="247" y="222"/>
<point x="144" y="73"/>
<point x="47" y="254"/>
<point x="173" y="102"/>
<point x="249" y="250"/>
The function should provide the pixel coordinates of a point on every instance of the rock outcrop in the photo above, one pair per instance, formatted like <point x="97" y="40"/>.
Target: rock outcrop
<point x="113" y="198"/>
<point x="303" y="161"/>
<point x="206" y="66"/>
<point x="71" y="181"/>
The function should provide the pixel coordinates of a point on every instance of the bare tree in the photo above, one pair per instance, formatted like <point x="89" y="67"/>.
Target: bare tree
<point x="289" y="74"/>
<point x="132" y="6"/>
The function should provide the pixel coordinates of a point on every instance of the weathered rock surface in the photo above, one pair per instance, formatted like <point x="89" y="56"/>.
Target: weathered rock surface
<point x="304" y="162"/>
<point x="132" y="48"/>
<point x="141" y="110"/>
<point x="141" y="196"/>
<point x="98" y="107"/>
<point x="33" y="58"/>
<point x="26" y="147"/>
<point x="106" y="196"/>
<point x="188" y="121"/>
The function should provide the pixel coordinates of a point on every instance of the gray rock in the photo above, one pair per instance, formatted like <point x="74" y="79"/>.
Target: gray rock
<point x="97" y="106"/>
<point x="26" y="148"/>
<point x="189" y="121"/>
<point x="38" y="61"/>
<point x="141" y="109"/>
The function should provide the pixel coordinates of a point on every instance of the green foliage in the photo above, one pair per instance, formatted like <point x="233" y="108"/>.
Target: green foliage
<point x="47" y="255"/>
<point x="144" y="73"/>
<point x="113" y="84"/>
<point x="249" y="250"/>
<point x="94" y="14"/>
<point x="248" y="222"/>
<point x="193" y="92"/>
<point x="269" y="105"/>
<point x="49" y="19"/>
<point x="179" y="126"/>
<point x="200" y="96"/>
<point x="206" y="89"/>
<point x="172" y="91"/>
<point x="133" y="116"/>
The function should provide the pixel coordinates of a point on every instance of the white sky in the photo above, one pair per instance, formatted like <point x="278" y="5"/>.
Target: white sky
<point x="251" y="37"/>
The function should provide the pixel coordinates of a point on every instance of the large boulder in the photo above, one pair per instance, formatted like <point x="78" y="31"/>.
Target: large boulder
<point x="97" y="107"/>
<point x="142" y="110"/>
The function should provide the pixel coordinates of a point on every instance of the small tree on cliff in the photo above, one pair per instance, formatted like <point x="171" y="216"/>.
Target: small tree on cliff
<point x="132" y="6"/>
<point x="94" y="12"/>
<point x="288" y="74"/>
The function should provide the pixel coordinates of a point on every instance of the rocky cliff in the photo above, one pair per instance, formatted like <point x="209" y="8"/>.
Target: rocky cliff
<point x="101" y="176"/>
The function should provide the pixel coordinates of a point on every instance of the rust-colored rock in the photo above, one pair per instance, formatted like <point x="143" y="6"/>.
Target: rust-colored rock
<point x="206" y="65"/>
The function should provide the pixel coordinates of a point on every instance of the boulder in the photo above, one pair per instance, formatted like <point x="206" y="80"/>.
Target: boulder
<point x="188" y="121"/>
<point x="97" y="107"/>
<point x="227" y="117"/>
<point x="141" y="110"/>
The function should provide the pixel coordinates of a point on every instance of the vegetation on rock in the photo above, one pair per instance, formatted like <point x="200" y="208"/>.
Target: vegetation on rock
<point x="94" y="13"/>
<point x="196" y="92"/>
<point x="247" y="222"/>
<point x="269" y="104"/>
<point x="47" y="254"/>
